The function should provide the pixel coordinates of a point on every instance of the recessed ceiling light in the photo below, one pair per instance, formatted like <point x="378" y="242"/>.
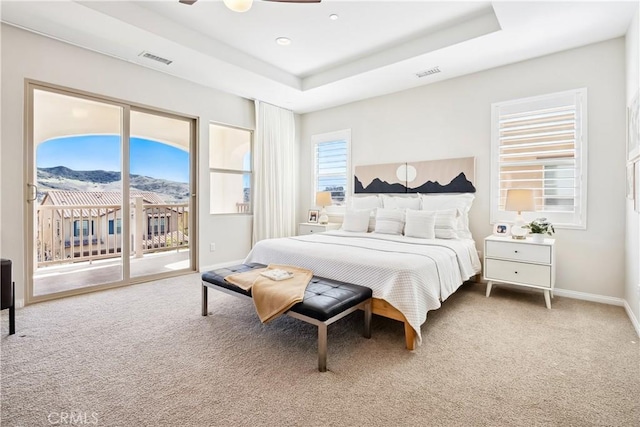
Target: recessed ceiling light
<point x="333" y="17"/>
<point x="283" y="41"/>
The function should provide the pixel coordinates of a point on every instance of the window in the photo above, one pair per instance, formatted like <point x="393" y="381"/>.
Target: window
<point x="331" y="165"/>
<point x="118" y="227"/>
<point x="540" y="143"/>
<point x="156" y="226"/>
<point x="85" y="228"/>
<point x="230" y="169"/>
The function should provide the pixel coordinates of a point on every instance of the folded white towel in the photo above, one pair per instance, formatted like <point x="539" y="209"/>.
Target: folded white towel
<point x="277" y="274"/>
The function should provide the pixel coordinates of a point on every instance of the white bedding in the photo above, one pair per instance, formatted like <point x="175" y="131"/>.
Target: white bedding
<point x="413" y="275"/>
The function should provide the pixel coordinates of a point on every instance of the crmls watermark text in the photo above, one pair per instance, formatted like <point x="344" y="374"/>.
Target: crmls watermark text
<point x="73" y="418"/>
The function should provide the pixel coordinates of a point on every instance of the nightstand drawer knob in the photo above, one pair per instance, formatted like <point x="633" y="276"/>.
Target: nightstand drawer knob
<point x="516" y="251"/>
<point x="516" y="272"/>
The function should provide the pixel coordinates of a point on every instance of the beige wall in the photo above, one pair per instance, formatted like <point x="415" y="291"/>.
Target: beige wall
<point x="29" y="56"/>
<point x="453" y="119"/>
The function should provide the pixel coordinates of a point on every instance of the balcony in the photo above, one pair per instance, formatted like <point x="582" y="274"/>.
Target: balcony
<point x="79" y="233"/>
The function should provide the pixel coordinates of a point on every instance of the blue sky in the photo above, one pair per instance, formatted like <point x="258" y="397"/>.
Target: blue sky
<point x="102" y="152"/>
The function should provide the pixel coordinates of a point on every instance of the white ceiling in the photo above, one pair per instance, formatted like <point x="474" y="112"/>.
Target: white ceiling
<point x="375" y="47"/>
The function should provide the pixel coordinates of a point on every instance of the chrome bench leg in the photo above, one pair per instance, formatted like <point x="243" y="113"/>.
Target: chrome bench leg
<point x="205" y="307"/>
<point x="322" y="347"/>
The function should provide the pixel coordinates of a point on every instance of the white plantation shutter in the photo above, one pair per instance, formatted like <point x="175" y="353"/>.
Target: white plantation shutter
<point x="540" y="144"/>
<point x="331" y="165"/>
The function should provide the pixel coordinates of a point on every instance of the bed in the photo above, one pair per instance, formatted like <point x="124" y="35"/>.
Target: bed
<point x="409" y="276"/>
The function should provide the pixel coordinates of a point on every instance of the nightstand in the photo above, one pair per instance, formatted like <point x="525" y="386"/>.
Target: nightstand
<point x="305" y="228"/>
<point x="520" y="262"/>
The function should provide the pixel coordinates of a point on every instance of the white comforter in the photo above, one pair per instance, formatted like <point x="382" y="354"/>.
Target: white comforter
<point x="413" y="275"/>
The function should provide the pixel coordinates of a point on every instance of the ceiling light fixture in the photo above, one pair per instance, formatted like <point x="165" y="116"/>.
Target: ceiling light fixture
<point x="238" y="5"/>
<point x="334" y="17"/>
<point x="283" y="41"/>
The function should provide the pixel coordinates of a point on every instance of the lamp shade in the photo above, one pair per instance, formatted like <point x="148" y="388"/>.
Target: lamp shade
<point x="520" y="200"/>
<point x="323" y="198"/>
<point x="238" y="5"/>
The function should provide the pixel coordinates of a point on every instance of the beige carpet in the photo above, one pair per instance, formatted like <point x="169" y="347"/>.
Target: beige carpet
<point x="144" y="356"/>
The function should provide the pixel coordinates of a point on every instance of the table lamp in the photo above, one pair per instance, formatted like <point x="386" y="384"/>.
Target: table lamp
<point x="323" y="198"/>
<point x="519" y="200"/>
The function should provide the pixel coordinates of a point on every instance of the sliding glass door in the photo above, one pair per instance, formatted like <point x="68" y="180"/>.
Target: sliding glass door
<point x="110" y="193"/>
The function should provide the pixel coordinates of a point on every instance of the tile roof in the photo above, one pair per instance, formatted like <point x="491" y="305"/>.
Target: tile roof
<point x="108" y="200"/>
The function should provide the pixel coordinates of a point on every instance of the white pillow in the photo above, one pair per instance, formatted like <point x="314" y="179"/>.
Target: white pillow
<point x="420" y="224"/>
<point x="356" y="220"/>
<point x="389" y="221"/>
<point x="446" y="223"/>
<point x="367" y="202"/>
<point x="462" y="202"/>
<point x="395" y="202"/>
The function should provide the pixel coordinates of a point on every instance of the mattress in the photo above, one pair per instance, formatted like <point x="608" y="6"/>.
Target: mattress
<point x="413" y="275"/>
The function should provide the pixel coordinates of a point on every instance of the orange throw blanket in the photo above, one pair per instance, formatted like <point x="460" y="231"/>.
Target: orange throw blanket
<point x="273" y="297"/>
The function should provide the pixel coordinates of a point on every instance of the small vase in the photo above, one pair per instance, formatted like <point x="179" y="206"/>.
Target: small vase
<point x="537" y="237"/>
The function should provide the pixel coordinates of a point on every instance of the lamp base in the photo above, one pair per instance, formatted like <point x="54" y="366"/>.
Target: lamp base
<point x="323" y="218"/>
<point x="518" y="231"/>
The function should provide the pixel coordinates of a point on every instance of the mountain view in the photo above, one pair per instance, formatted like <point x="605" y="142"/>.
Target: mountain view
<point x="63" y="178"/>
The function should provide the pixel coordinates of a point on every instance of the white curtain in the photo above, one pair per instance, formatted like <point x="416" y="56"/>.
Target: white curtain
<point x="274" y="195"/>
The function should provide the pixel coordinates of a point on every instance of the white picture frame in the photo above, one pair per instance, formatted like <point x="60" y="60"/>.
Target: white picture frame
<point x="501" y="229"/>
<point x="313" y="216"/>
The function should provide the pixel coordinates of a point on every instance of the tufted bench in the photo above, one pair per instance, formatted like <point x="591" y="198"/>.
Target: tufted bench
<point x="325" y="301"/>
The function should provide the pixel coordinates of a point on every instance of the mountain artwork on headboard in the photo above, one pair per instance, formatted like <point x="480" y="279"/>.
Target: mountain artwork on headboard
<point x="430" y="176"/>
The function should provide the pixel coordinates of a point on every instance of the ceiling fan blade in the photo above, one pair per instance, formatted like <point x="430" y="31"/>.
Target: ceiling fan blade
<point x="295" y="1"/>
<point x="189" y="2"/>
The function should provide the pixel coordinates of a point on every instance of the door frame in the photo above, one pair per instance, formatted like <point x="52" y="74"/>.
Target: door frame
<point x="30" y="176"/>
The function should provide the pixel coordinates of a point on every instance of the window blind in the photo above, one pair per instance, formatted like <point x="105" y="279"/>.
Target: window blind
<point x="538" y="150"/>
<point x="538" y="142"/>
<point x="331" y="159"/>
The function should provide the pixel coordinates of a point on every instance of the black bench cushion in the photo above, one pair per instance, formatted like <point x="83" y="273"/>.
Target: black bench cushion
<point x="323" y="298"/>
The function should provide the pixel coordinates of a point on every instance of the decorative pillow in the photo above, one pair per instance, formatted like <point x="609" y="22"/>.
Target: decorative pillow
<point x="389" y="221"/>
<point x="446" y="223"/>
<point x="356" y="220"/>
<point x="420" y="224"/>
<point x="462" y="202"/>
<point x="395" y="202"/>
<point x="367" y="202"/>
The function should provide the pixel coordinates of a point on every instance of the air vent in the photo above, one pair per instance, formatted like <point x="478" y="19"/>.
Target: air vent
<point x="156" y="58"/>
<point x="426" y="73"/>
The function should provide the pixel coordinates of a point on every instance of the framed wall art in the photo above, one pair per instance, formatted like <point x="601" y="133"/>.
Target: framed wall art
<point x="636" y="184"/>
<point x="633" y="128"/>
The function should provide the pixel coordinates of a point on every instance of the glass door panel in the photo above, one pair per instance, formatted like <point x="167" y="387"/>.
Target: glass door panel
<point x="160" y="191"/>
<point x="77" y="146"/>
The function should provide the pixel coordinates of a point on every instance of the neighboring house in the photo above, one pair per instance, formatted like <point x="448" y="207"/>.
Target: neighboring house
<point x="78" y="224"/>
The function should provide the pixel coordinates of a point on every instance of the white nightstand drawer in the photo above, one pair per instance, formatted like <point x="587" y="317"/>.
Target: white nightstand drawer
<point x="518" y="272"/>
<point x="305" y="228"/>
<point x="519" y="251"/>
<point x="310" y="229"/>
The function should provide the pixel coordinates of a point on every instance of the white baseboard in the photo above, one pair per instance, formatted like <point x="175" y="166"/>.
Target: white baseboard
<point x="632" y="317"/>
<point x="220" y="265"/>
<point x="589" y="297"/>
